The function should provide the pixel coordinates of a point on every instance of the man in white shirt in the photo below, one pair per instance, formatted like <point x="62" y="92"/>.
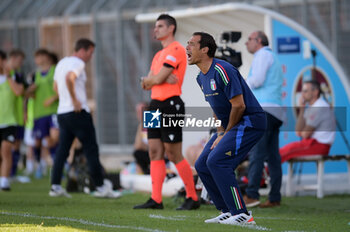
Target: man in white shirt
<point x="315" y="125"/>
<point x="75" y="120"/>
<point x="265" y="80"/>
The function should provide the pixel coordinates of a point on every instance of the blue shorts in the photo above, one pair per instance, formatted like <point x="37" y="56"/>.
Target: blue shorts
<point x="19" y="133"/>
<point x="43" y="125"/>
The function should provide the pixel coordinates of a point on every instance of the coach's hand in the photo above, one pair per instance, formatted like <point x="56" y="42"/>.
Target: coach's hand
<point x="77" y="106"/>
<point x="302" y="102"/>
<point x="217" y="140"/>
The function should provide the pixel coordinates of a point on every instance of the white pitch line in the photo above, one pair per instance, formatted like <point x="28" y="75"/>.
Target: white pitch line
<point x="255" y="227"/>
<point x="181" y="218"/>
<point x="294" y="231"/>
<point x="166" y="218"/>
<point x="81" y="221"/>
<point x="278" y="218"/>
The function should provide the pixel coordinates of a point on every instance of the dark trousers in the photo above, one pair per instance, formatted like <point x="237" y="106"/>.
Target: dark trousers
<point x="266" y="149"/>
<point x="78" y="125"/>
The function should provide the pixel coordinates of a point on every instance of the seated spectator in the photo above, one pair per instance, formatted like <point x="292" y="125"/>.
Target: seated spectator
<point x="315" y="125"/>
<point x="193" y="151"/>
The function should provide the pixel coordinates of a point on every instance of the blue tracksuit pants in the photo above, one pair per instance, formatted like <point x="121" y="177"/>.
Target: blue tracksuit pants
<point x="216" y="167"/>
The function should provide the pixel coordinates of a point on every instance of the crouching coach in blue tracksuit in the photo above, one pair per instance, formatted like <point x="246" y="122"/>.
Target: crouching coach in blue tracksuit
<point x="243" y="122"/>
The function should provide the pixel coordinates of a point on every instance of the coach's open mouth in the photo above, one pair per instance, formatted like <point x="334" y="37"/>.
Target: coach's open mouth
<point x="189" y="56"/>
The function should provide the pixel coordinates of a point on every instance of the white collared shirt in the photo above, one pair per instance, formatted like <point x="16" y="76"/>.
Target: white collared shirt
<point x="66" y="65"/>
<point x="263" y="59"/>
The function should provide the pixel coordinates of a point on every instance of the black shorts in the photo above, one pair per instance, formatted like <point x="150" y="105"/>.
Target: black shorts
<point x="174" y="109"/>
<point x="8" y="134"/>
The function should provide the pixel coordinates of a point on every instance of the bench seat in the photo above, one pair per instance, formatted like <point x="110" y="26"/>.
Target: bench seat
<point x="319" y="160"/>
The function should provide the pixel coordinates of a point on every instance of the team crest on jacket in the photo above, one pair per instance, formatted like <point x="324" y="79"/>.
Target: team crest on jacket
<point x="212" y="84"/>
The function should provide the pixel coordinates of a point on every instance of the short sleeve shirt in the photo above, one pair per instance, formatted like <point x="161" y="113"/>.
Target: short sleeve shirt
<point x="77" y="66"/>
<point x="321" y="117"/>
<point x="222" y="83"/>
<point x="174" y="55"/>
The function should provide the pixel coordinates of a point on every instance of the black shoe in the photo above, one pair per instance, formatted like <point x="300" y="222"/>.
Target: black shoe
<point x="150" y="204"/>
<point x="189" y="204"/>
<point x="6" y="189"/>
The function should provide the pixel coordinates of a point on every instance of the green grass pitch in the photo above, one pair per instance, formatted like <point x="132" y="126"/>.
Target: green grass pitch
<point x="29" y="208"/>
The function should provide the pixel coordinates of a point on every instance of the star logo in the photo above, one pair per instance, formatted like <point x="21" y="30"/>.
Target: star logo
<point x="151" y="119"/>
<point x="156" y="115"/>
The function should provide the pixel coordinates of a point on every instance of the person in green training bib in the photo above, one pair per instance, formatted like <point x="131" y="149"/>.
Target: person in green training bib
<point x="9" y="89"/>
<point x="14" y="64"/>
<point x="29" y="139"/>
<point x="45" y="104"/>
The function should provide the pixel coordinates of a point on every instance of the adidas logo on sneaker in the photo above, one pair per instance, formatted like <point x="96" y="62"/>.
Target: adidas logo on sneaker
<point x="219" y="218"/>
<point x="239" y="219"/>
